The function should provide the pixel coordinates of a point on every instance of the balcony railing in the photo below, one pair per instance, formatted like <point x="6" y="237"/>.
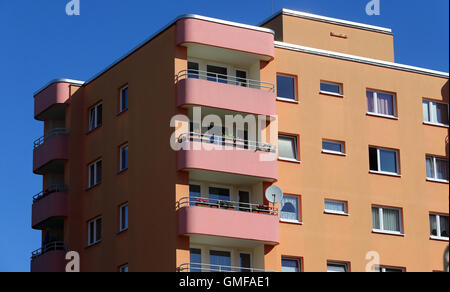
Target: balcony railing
<point x="50" y="190"/>
<point x="51" y="133"/>
<point x="52" y="246"/>
<point x="193" y="267"/>
<point x="204" y="201"/>
<point x="226" y="79"/>
<point x="231" y="142"/>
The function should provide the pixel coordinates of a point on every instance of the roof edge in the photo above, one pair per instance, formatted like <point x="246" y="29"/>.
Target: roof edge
<point x="60" y="80"/>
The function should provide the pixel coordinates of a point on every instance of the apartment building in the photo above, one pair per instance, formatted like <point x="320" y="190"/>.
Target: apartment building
<point x="357" y="142"/>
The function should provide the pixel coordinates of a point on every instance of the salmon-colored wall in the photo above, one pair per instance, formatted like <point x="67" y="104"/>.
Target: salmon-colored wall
<point x="319" y="176"/>
<point x="317" y="34"/>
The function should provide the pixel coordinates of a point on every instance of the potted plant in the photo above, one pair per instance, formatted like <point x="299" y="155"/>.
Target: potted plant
<point x="262" y="209"/>
<point x="227" y="205"/>
<point x="201" y="202"/>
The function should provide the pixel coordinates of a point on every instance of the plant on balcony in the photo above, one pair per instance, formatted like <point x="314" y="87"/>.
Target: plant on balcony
<point x="226" y="205"/>
<point x="262" y="209"/>
<point x="201" y="203"/>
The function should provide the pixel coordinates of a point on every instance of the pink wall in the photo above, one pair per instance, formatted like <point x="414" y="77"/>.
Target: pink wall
<point x="55" y="148"/>
<point x="197" y="31"/>
<point x="53" y="205"/>
<point x="235" y="161"/>
<point x="53" y="261"/>
<point x="229" y="223"/>
<point x="56" y="93"/>
<point x="225" y="96"/>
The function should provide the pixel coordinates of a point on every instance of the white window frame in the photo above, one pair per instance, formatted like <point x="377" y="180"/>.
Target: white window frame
<point x="341" y="91"/>
<point x="121" y="228"/>
<point x="375" y="104"/>
<point x="94" y="183"/>
<point x="397" y="161"/>
<point x="122" y="109"/>
<point x="298" y="260"/>
<point x="296" y="152"/>
<point x="383" y="269"/>
<point x="295" y="100"/>
<point x="342" y="144"/>
<point x="432" y="112"/>
<point x="96" y="124"/>
<point x="336" y="212"/>
<point x="341" y="264"/>
<point x="380" y="215"/>
<point x="438" y="226"/>
<point x="122" y="148"/>
<point x="93" y="241"/>
<point x="435" y="158"/>
<point x="299" y="215"/>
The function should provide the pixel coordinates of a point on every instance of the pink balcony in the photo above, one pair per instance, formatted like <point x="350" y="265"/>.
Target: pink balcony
<point x="50" y="152"/>
<point x="198" y="154"/>
<point x="207" y="222"/>
<point x="240" y="95"/>
<point x="49" y="206"/>
<point x="50" y="258"/>
<point x="226" y="35"/>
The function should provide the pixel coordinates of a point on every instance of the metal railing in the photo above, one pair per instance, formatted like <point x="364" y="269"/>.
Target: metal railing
<point x="51" y="189"/>
<point x="231" y="142"/>
<point x="54" y="132"/>
<point x="204" y="201"/>
<point x="193" y="267"/>
<point x="226" y="79"/>
<point x="52" y="246"/>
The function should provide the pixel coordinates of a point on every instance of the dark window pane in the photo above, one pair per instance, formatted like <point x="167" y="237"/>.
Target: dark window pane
<point x="373" y="159"/>
<point x="217" y="74"/>
<point x="241" y="78"/>
<point x="193" y="69"/>
<point x="388" y="161"/>
<point x="99" y="115"/>
<point x="286" y="87"/>
<point x="124" y="99"/>
<point x="444" y="226"/>
<point x="290" y="265"/>
<point x="98" y="231"/>
<point x="220" y="261"/>
<point x="331" y="88"/>
<point x="196" y="260"/>
<point x="245" y="262"/>
<point x="99" y="172"/>
<point x="332" y="146"/>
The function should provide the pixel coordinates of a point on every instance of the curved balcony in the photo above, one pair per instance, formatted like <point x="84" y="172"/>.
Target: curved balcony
<point x="50" y="152"/>
<point x="256" y="41"/>
<point x="201" y="88"/>
<point x="49" y="258"/>
<point x="50" y="102"/>
<point x="202" y="268"/>
<point x="211" y="218"/>
<point x="49" y="206"/>
<point x="221" y="156"/>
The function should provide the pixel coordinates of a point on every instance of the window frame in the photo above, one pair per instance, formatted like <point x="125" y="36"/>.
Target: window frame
<point x="122" y="268"/>
<point x="299" y="211"/>
<point x="121" y="149"/>
<point x="96" y="125"/>
<point x="435" y="158"/>
<point x="346" y="265"/>
<point x="331" y="212"/>
<point x="397" y="161"/>
<point x="299" y="261"/>
<point x="381" y="219"/>
<point x="341" y="88"/>
<point x="95" y="240"/>
<point x="121" y="223"/>
<point x="432" y="114"/>
<point x="97" y="181"/>
<point x="438" y="226"/>
<point x="296" y="147"/>
<point x="121" y="108"/>
<point x="375" y="104"/>
<point x="382" y="269"/>
<point x="341" y="143"/>
<point x="296" y="97"/>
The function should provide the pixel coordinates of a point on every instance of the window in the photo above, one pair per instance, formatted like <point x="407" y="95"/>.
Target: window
<point x="95" y="231"/>
<point x="124" y="99"/>
<point x="333" y="147"/>
<point x="95" y="117"/>
<point x="241" y="78"/>
<point x="380" y="103"/>
<point x="435" y="113"/>
<point x="331" y="88"/>
<point x="336" y="207"/>
<point x="245" y="262"/>
<point x="123" y="157"/>
<point x="216" y="195"/>
<point x="437" y="169"/>
<point x="337" y="267"/>
<point x="383" y="160"/>
<point x="290" y="209"/>
<point x="124" y="217"/>
<point x="95" y="173"/>
<point x="217" y="74"/>
<point x="193" y="69"/>
<point x="289" y="265"/>
<point x="439" y="226"/>
<point x="386" y="220"/>
<point x="383" y="269"/>
<point x="286" y="87"/>
<point x="196" y="260"/>
<point x="220" y="261"/>
<point x="287" y="147"/>
<point x="123" y="269"/>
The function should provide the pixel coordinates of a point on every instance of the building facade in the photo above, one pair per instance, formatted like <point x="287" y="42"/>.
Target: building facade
<point x="138" y="176"/>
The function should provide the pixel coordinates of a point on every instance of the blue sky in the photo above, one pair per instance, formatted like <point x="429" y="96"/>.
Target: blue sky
<point x="40" y="43"/>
